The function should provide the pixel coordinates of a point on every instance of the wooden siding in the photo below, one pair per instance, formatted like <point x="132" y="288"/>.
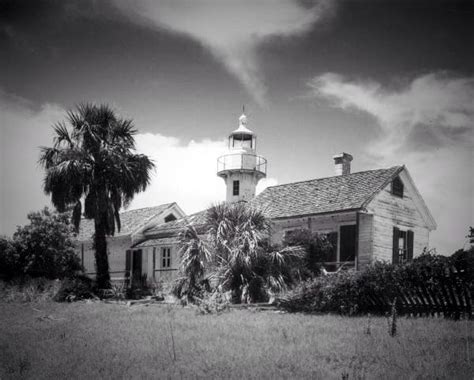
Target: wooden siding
<point x="392" y="211"/>
<point x="365" y="247"/>
<point x="157" y="273"/>
<point x="116" y="248"/>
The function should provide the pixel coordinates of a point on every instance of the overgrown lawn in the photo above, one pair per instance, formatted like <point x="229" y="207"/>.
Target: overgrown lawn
<point x="98" y="340"/>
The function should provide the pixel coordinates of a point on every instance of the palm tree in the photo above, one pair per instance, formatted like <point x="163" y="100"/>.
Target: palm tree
<point x="94" y="163"/>
<point x="235" y="254"/>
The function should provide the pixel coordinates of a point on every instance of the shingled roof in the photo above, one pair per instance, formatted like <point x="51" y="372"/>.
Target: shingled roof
<point x="171" y="228"/>
<point x="130" y="221"/>
<point x="324" y="195"/>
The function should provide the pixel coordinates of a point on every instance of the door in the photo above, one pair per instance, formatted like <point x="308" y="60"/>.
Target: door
<point x="137" y="265"/>
<point x="347" y="243"/>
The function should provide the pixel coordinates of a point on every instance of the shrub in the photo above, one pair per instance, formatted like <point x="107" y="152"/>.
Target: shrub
<point x="233" y="255"/>
<point x="318" y="249"/>
<point x="27" y="289"/>
<point x="9" y="259"/>
<point x="353" y="292"/>
<point x="43" y="248"/>
<point x="74" y="289"/>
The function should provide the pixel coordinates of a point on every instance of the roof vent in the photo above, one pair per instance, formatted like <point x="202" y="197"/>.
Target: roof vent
<point x="342" y="163"/>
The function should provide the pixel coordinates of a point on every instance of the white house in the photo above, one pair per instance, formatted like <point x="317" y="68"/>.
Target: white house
<point x="370" y="215"/>
<point x="133" y="224"/>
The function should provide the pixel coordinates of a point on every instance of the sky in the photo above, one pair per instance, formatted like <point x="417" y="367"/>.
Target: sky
<point x="391" y="82"/>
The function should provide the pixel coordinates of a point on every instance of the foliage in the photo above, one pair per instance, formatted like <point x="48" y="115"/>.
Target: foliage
<point x="42" y="248"/>
<point x="349" y="292"/>
<point x="213" y="303"/>
<point x="94" y="160"/>
<point x="28" y="289"/>
<point x="140" y="287"/>
<point x="194" y="256"/>
<point x="233" y="256"/>
<point x="74" y="289"/>
<point x="318" y="249"/>
<point x="9" y="258"/>
<point x="464" y="261"/>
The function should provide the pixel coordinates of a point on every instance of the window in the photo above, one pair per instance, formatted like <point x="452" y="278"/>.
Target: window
<point x="331" y="253"/>
<point x="347" y="246"/>
<point x="235" y="187"/>
<point x="397" y="187"/>
<point x="170" y="218"/>
<point x="165" y="257"/>
<point x="242" y="141"/>
<point x="402" y="246"/>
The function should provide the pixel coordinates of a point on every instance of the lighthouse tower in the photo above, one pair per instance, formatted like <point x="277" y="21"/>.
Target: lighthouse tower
<point x="241" y="168"/>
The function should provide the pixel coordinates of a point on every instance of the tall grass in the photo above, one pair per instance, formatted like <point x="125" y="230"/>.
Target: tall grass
<point x="96" y="340"/>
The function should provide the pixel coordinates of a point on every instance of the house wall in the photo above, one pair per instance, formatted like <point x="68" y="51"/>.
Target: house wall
<point x="116" y="248"/>
<point x="156" y="273"/>
<point x="392" y="211"/>
<point x="365" y="241"/>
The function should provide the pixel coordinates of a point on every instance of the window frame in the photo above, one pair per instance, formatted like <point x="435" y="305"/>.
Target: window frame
<point x="402" y="251"/>
<point x="170" y="218"/>
<point x="397" y="187"/>
<point x="165" y="258"/>
<point x="236" y="188"/>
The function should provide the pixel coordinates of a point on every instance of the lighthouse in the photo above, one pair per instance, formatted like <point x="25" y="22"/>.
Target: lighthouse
<point x="241" y="168"/>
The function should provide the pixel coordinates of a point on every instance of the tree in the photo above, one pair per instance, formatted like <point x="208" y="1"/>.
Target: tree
<point x="93" y="163"/>
<point x="8" y="258"/>
<point x="42" y="248"/>
<point x="236" y="254"/>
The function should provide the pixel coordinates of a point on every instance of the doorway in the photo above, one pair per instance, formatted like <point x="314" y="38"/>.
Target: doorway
<point x="136" y="265"/>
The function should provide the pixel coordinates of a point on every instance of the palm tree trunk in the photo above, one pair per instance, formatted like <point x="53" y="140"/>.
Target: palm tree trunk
<point x="101" y="259"/>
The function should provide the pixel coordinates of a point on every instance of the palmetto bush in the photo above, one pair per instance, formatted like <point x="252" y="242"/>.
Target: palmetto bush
<point x="230" y="252"/>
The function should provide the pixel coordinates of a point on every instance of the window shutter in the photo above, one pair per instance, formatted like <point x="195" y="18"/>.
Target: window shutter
<point x="410" y="239"/>
<point x="128" y="262"/>
<point x="396" y="233"/>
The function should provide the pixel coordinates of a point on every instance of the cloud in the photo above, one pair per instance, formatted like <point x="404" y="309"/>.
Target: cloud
<point x="437" y="101"/>
<point x="232" y="30"/>
<point x="186" y="173"/>
<point x="23" y="129"/>
<point x="444" y="178"/>
<point x="428" y="126"/>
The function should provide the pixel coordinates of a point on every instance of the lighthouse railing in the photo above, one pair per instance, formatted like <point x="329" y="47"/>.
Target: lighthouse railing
<point x="242" y="161"/>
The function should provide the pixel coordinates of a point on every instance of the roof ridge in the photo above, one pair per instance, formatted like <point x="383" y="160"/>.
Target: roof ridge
<point x="136" y="209"/>
<point x="318" y="179"/>
<point x="143" y="208"/>
<point x="385" y="183"/>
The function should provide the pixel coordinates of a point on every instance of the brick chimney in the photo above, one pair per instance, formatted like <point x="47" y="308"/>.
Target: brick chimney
<point x="342" y="163"/>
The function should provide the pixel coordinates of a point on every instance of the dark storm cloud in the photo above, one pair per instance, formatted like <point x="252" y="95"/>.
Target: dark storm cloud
<point x="71" y="51"/>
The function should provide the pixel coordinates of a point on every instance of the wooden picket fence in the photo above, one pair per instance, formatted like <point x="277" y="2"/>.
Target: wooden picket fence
<point x="447" y="295"/>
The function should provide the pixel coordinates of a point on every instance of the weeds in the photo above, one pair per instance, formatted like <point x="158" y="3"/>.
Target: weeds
<point x="28" y="290"/>
<point x="367" y="330"/>
<point x="173" y="342"/>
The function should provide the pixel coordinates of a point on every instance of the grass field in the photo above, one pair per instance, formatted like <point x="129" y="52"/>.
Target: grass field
<point x="97" y="340"/>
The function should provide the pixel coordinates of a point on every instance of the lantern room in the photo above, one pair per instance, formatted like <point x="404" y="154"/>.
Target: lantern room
<point x="242" y="138"/>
